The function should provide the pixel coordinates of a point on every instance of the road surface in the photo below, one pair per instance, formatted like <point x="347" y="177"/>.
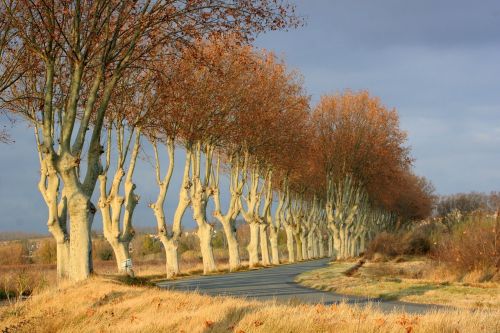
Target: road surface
<point x="278" y="283"/>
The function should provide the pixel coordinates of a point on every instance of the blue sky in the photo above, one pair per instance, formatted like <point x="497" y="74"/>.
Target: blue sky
<point x="435" y="61"/>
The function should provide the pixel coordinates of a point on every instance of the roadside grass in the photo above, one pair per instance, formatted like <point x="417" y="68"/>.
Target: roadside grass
<point x="100" y="305"/>
<point x="23" y="279"/>
<point x="402" y="281"/>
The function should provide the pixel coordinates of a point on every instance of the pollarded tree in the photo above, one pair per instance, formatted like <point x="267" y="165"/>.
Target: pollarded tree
<point x="128" y="111"/>
<point x="84" y="49"/>
<point x="200" y="97"/>
<point x="274" y="100"/>
<point x="362" y="152"/>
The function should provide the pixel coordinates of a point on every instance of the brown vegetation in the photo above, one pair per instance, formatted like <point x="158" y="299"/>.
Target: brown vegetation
<point x="111" y="307"/>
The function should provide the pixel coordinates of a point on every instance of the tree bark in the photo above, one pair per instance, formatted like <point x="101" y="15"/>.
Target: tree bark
<point x="264" y="247"/>
<point x="205" y="235"/>
<point x="81" y="214"/>
<point x="290" y="243"/>
<point x="253" y="245"/>
<point x="232" y="244"/>
<point x="273" y="239"/>
<point x="330" y="245"/>
<point x="304" y="246"/>
<point x="298" y="246"/>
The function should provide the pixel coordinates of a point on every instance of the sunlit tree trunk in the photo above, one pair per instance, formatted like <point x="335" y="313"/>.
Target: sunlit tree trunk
<point x="170" y="239"/>
<point x="228" y="220"/>
<point x="119" y="232"/>
<point x="200" y="192"/>
<point x="57" y="212"/>
<point x="250" y="214"/>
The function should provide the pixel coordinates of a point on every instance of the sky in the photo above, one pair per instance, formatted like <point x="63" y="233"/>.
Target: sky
<point x="437" y="62"/>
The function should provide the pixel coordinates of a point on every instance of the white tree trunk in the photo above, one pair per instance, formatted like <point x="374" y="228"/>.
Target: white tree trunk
<point x="172" y="257"/>
<point x="289" y="243"/>
<point x="321" y="245"/>
<point x="81" y="214"/>
<point x="205" y="235"/>
<point x="63" y="259"/>
<point x="304" y="246"/>
<point x="264" y="247"/>
<point x="273" y="239"/>
<point x="362" y="242"/>
<point x="311" y="245"/>
<point x="298" y="246"/>
<point x="232" y="245"/>
<point x="330" y="245"/>
<point x="57" y="213"/>
<point x="253" y="245"/>
<point x="342" y="239"/>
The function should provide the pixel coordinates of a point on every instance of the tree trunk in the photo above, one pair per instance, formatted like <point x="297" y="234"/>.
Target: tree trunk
<point x="57" y="214"/>
<point x="298" y="246"/>
<point x="172" y="257"/>
<point x="311" y="246"/>
<point x="337" y="243"/>
<point x="330" y="245"/>
<point x="321" y="245"/>
<point x="304" y="247"/>
<point x="352" y="246"/>
<point x="342" y="249"/>
<point x="63" y="259"/>
<point x="253" y="245"/>
<point x="205" y="235"/>
<point x="289" y="243"/>
<point x="273" y="239"/>
<point x="122" y="254"/>
<point x="232" y="245"/>
<point x="264" y="247"/>
<point x="362" y="246"/>
<point x="81" y="214"/>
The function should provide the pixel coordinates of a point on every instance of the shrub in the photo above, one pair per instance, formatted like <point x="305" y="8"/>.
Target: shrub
<point x="474" y="246"/>
<point x="191" y="255"/>
<point x="47" y="252"/>
<point x="14" y="253"/>
<point x="188" y="241"/>
<point x="417" y="245"/>
<point x="102" y="250"/>
<point x="415" y="242"/>
<point x="386" y="244"/>
<point x="150" y="245"/>
<point x="219" y="240"/>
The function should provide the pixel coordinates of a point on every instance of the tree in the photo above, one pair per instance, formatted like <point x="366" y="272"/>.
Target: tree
<point x="361" y="149"/>
<point x="83" y="50"/>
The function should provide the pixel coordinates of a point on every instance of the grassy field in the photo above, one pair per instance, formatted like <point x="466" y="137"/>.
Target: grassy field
<point x="408" y="281"/>
<point x="104" y="305"/>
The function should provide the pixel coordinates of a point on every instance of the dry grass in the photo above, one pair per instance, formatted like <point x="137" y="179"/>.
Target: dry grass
<point x="418" y="281"/>
<point x="24" y="279"/>
<point x="99" y="305"/>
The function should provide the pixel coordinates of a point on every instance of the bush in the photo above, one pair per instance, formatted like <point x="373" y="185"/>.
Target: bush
<point x="474" y="246"/>
<point x="386" y="244"/>
<point x="191" y="255"/>
<point x="189" y="242"/>
<point x="415" y="242"/>
<point x="102" y="250"/>
<point x="150" y="245"/>
<point x="47" y="252"/>
<point x="418" y="245"/>
<point x="219" y="240"/>
<point x="14" y="253"/>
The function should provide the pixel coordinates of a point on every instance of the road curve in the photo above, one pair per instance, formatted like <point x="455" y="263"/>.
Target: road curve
<point x="278" y="283"/>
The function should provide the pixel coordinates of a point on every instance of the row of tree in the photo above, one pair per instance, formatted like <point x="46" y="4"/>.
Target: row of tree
<point x="98" y="79"/>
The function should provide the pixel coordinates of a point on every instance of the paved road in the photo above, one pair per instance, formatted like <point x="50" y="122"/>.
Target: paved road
<point x="278" y="283"/>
